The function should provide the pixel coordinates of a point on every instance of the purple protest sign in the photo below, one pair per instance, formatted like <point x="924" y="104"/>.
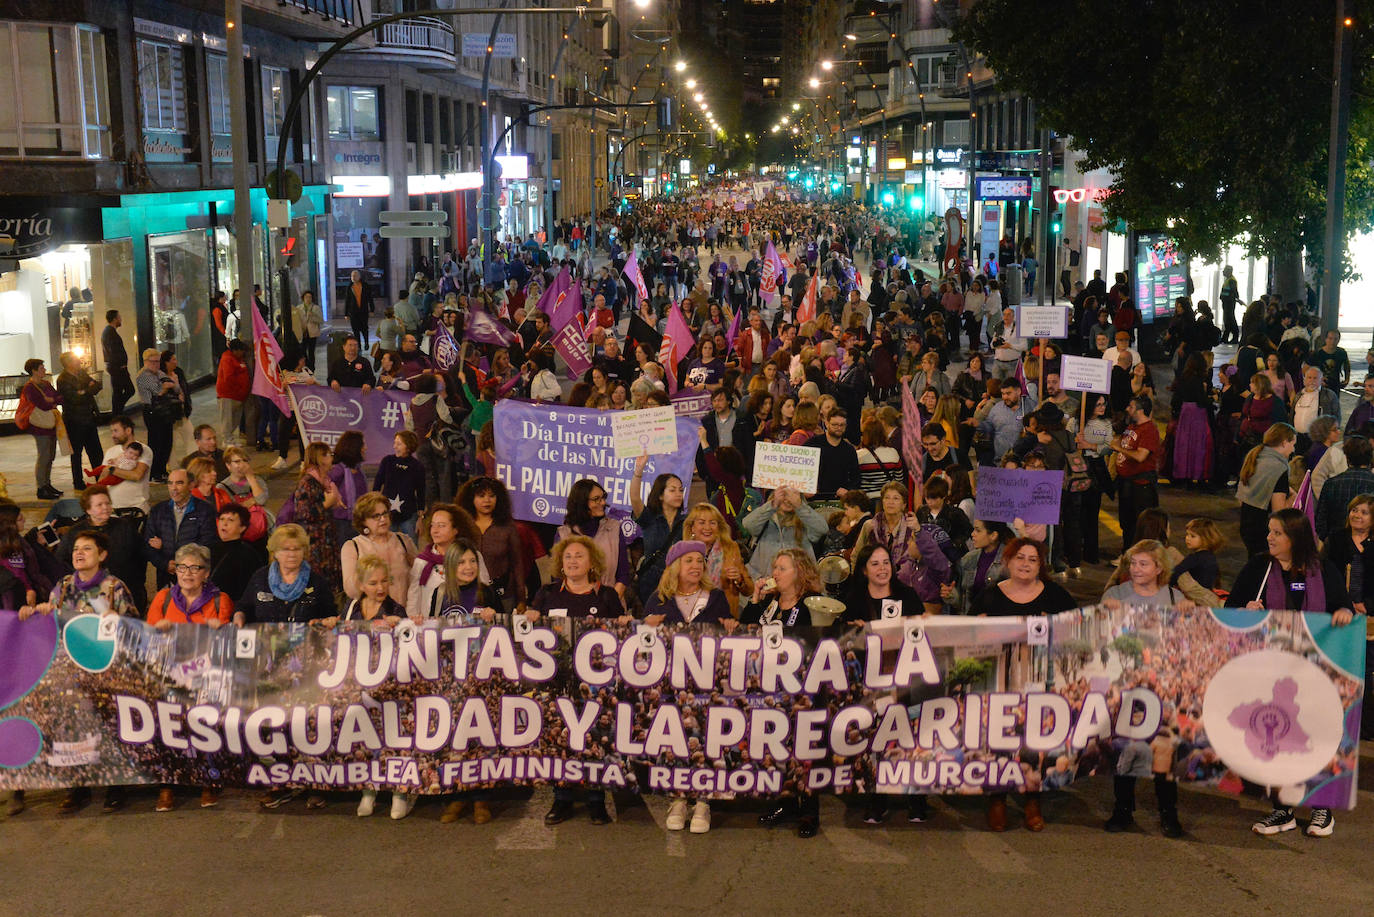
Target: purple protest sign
<point x="691" y="403"/>
<point x="542" y="450"/>
<point x="1008" y="494"/>
<point x="571" y="344"/>
<point x="324" y="415"/>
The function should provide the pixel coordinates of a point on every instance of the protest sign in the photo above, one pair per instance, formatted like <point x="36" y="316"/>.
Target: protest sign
<point x="1085" y="374"/>
<point x="652" y="431"/>
<point x="781" y="465"/>
<point x="571" y="344"/>
<point x="324" y="415"/>
<point x="692" y="403"/>
<point x="947" y="704"/>
<point x="543" y="449"/>
<point x="1008" y="494"/>
<point x="1042" y="321"/>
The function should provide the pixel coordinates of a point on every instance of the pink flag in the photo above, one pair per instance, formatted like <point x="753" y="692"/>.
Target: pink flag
<point x="633" y="274"/>
<point x="772" y="271"/>
<point x="912" y="450"/>
<point x="1021" y="378"/>
<point x="1304" y="501"/>
<point x="806" y="312"/>
<point x="677" y="340"/>
<point x="267" y="380"/>
<point x="484" y="329"/>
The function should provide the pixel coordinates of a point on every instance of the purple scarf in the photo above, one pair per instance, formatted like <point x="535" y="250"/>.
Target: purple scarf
<point x="432" y="559"/>
<point x="20" y="572"/>
<point x="87" y="585"/>
<point x="1276" y="591"/>
<point x="208" y="594"/>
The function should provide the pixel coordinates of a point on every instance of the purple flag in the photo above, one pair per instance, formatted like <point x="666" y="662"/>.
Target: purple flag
<point x="445" y="349"/>
<point x="567" y="305"/>
<point x="324" y="415"/>
<point x="484" y="329"/>
<point x="548" y="300"/>
<point x="571" y="345"/>
<point x="733" y="331"/>
<point x="636" y="276"/>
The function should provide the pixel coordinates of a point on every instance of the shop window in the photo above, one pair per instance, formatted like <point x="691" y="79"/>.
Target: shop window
<point x="162" y="86"/>
<point x="353" y="112"/>
<point x="217" y="91"/>
<point x="956" y="133"/>
<point x="55" y="101"/>
<point x="276" y="93"/>
<point x="179" y="278"/>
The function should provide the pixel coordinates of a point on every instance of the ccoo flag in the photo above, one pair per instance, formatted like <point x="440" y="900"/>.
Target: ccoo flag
<point x="267" y="380"/>
<point x="677" y="340"/>
<point x="773" y="272"/>
<point x="636" y="277"/>
<point x="806" y="311"/>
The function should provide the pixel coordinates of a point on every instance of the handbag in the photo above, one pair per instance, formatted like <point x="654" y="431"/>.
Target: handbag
<point x="166" y="408"/>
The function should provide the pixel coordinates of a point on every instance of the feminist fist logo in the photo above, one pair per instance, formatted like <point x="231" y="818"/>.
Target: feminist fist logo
<point x="26" y="651"/>
<point x="1271" y="727"/>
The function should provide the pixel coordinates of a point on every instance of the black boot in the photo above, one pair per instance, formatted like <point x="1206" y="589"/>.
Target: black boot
<point x="783" y="811"/>
<point x="1122" y="820"/>
<point x="1166" y="791"/>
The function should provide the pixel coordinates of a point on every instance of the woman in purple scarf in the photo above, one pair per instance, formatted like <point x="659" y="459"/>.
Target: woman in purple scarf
<point x="1292" y="576"/>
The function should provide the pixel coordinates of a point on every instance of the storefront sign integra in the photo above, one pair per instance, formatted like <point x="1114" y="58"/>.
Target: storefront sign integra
<point x="29" y="227"/>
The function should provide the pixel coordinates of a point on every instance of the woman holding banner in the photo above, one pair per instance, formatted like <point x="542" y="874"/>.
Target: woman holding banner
<point x="586" y="515"/>
<point x="685" y="596"/>
<point x="919" y="561"/>
<point x="315" y="498"/>
<point x="578" y="591"/>
<point x="876" y="594"/>
<point x="1292" y="575"/>
<point x="442" y="526"/>
<point x="1027" y="591"/>
<point x="781" y="600"/>
<point x="192" y="599"/>
<point x="89" y="589"/>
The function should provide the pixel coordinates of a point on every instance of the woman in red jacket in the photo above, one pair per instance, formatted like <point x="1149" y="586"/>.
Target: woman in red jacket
<point x="233" y="385"/>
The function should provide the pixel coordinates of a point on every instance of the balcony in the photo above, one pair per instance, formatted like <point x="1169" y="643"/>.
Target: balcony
<point x="425" y="41"/>
<point x="305" y="20"/>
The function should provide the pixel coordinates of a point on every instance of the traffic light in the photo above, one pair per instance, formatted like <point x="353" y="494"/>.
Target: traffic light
<point x="915" y="203"/>
<point x="835" y="187"/>
<point x="1056" y="223"/>
<point x="889" y="198"/>
<point x="809" y="183"/>
<point x="668" y="188"/>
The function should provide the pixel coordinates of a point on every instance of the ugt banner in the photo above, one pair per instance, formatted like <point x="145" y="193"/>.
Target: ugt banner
<point x="901" y="705"/>
<point x="324" y="415"/>
<point x="543" y="449"/>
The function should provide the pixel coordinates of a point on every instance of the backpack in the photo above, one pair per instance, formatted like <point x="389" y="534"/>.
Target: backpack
<point x="1077" y="479"/>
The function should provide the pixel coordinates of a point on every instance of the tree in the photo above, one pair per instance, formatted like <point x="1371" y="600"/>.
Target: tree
<point x="1214" y="117"/>
<point x="1072" y="655"/>
<point x="1129" y="650"/>
<point x="965" y="672"/>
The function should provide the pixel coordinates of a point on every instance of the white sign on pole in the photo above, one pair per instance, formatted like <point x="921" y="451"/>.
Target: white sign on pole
<point x="781" y="465"/>
<point x="475" y="45"/>
<point x="1042" y="321"/>
<point x="349" y="255"/>
<point x="1085" y="374"/>
<point x="652" y="431"/>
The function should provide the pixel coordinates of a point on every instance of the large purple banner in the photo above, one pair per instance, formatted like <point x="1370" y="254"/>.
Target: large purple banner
<point x="541" y="450"/>
<point x="324" y="415"/>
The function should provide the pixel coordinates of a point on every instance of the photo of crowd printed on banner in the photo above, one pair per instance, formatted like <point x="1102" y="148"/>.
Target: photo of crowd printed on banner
<point x="905" y="705"/>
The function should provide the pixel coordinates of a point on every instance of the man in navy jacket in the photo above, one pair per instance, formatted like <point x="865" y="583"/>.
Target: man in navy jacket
<point x="180" y="520"/>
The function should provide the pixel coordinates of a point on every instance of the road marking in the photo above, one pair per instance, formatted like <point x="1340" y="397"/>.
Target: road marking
<point x="279" y="831"/>
<point x="993" y="854"/>
<point x="867" y="846"/>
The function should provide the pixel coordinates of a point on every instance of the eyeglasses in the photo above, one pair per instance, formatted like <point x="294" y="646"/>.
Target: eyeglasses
<point x="190" y="568"/>
<point x="382" y="515"/>
<point x="600" y="499"/>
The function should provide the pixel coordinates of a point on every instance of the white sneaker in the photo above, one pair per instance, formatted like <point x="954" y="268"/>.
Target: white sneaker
<point x="279" y="464"/>
<point x="367" y="803"/>
<point x="401" y="804"/>
<point x="677" y="815"/>
<point x="701" y="818"/>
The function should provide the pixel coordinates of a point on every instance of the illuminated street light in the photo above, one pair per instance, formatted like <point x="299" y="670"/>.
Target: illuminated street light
<point x="698" y="97"/>
<point x="827" y="65"/>
<point x="680" y="66"/>
<point x="851" y="36"/>
<point x="691" y="84"/>
<point x="815" y="83"/>
<point x="796" y="106"/>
